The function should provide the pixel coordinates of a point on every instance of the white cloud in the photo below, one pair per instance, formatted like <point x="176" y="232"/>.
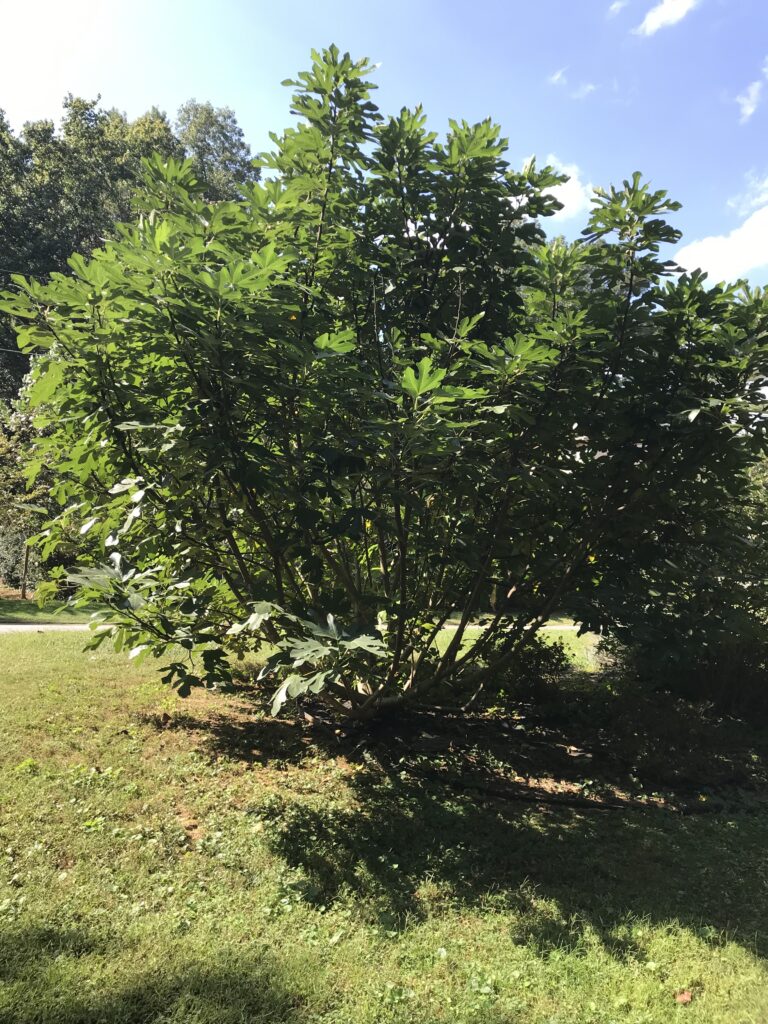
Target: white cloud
<point x="616" y="6"/>
<point x="753" y="197"/>
<point x="583" y="91"/>
<point x="559" y="77"/>
<point x="731" y="256"/>
<point x="665" y="13"/>
<point x="749" y="100"/>
<point x="575" y="195"/>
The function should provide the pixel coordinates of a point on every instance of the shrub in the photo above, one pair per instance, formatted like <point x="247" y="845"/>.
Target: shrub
<point x="534" y="673"/>
<point x="703" y="632"/>
<point x="325" y="417"/>
<point x="726" y="669"/>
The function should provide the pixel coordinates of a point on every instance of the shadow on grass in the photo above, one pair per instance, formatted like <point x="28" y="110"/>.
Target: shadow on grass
<point x="404" y="845"/>
<point x="65" y="978"/>
<point x="14" y="611"/>
<point x="411" y="844"/>
<point x="235" y="734"/>
<point x="409" y="850"/>
<point x="633" y="742"/>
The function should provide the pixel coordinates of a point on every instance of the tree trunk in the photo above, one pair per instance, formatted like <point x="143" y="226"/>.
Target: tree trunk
<point x="25" y="571"/>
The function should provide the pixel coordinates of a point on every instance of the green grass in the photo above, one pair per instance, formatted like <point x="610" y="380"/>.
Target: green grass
<point x="17" y="611"/>
<point x="172" y="862"/>
<point x="581" y="649"/>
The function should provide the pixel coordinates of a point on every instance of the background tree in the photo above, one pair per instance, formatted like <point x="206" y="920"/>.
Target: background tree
<point x="367" y="398"/>
<point x="214" y="141"/>
<point x="63" y="190"/>
<point x="22" y="509"/>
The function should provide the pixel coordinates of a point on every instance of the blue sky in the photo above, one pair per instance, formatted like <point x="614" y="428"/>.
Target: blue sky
<point x="675" y="88"/>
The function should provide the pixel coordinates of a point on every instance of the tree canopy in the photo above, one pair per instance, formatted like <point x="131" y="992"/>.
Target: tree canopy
<point x="63" y="190"/>
<point x="214" y="141"/>
<point x="367" y="399"/>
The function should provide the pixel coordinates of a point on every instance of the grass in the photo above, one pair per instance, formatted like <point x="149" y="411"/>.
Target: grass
<point x="581" y="649"/>
<point x="14" y="610"/>
<point x="193" y="862"/>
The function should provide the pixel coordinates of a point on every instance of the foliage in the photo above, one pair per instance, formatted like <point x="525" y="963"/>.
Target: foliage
<point x="13" y="545"/>
<point x="726" y="668"/>
<point x="22" y="509"/>
<point x="62" y="190"/>
<point x="703" y="630"/>
<point x="368" y="397"/>
<point x="214" y="141"/>
<point x="24" y="506"/>
<point x="536" y="669"/>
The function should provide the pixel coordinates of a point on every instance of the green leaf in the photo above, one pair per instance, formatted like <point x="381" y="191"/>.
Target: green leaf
<point x="337" y="343"/>
<point x="371" y="644"/>
<point x="424" y="379"/>
<point x="46" y="383"/>
<point x="292" y="686"/>
<point x="34" y="338"/>
<point x="262" y="611"/>
<point x="124" y="485"/>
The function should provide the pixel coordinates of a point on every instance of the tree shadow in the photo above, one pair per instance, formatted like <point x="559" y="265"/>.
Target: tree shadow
<point x="634" y="743"/>
<point x="46" y="942"/>
<point x="539" y="815"/>
<point x="52" y="987"/>
<point x="234" y="731"/>
<point x="408" y="850"/>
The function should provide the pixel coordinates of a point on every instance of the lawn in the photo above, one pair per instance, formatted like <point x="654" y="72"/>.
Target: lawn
<point x="14" y="610"/>
<point x="581" y="649"/>
<point x="168" y="861"/>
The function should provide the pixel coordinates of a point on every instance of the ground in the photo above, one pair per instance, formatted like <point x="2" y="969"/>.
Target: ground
<point x="14" y="610"/>
<point x="596" y="857"/>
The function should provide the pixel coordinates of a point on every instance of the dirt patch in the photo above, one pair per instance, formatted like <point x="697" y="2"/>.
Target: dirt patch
<point x="584" y="749"/>
<point x="232" y="726"/>
<point x="190" y="823"/>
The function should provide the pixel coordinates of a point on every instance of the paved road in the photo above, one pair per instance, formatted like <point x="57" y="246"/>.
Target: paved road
<point x="70" y="627"/>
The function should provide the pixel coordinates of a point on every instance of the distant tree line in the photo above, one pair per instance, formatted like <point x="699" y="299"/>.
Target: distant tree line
<point x="62" y="189"/>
